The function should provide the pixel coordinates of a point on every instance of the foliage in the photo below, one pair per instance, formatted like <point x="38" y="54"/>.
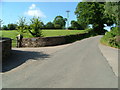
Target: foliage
<point x="12" y="26"/>
<point x="22" y="25"/>
<point x="75" y="25"/>
<point x="35" y="27"/>
<point x="83" y="24"/>
<point x="93" y="13"/>
<point x="112" y="9"/>
<point x="91" y="32"/>
<point x="4" y="27"/>
<point x="112" y="38"/>
<point x="49" y="25"/>
<point x="59" y="22"/>
<point x="42" y="26"/>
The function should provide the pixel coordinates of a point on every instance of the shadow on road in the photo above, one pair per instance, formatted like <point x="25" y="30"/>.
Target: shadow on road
<point x="19" y="57"/>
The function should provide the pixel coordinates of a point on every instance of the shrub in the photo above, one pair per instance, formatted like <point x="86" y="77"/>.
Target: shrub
<point x="4" y="27"/>
<point x="112" y="38"/>
<point x="12" y="26"/>
<point x="49" y="25"/>
<point x="35" y="27"/>
<point x="22" y="25"/>
<point x="91" y="32"/>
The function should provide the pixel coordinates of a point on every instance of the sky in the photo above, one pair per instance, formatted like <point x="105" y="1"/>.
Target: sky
<point x="47" y="11"/>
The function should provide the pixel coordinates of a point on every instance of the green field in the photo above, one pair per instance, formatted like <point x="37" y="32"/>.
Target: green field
<point x="46" y="33"/>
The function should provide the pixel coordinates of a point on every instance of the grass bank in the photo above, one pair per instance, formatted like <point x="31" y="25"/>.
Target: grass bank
<point x="112" y="38"/>
<point x="46" y="33"/>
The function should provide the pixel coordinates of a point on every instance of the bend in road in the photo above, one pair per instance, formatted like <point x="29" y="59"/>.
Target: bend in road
<point x="80" y="65"/>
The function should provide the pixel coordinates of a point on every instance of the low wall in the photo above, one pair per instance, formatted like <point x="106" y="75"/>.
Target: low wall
<point x="5" y="47"/>
<point x="51" y="41"/>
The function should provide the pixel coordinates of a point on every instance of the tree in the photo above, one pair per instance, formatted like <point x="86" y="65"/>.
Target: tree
<point x="12" y="26"/>
<point x="42" y="26"/>
<point x="35" y="27"/>
<point x="4" y="27"/>
<point x="49" y="25"/>
<point x="22" y="25"/>
<point x="59" y="22"/>
<point x="112" y="9"/>
<point x="93" y="13"/>
<point x="76" y="26"/>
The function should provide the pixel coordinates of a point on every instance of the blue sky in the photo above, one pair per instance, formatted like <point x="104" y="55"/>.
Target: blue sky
<point x="47" y="11"/>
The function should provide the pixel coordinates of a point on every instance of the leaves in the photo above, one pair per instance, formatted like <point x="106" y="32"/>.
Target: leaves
<point x="59" y="22"/>
<point x="93" y="13"/>
<point x="35" y="27"/>
<point x="22" y="25"/>
<point x="112" y="9"/>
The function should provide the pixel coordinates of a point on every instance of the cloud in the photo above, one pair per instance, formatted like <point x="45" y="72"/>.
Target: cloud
<point x="32" y="6"/>
<point x="34" y="11"/>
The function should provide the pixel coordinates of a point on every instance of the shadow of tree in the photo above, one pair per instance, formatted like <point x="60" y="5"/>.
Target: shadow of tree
<point x="19" y="57"/>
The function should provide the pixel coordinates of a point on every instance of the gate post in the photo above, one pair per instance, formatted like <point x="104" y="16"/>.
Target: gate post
<point x="19" y="40"/>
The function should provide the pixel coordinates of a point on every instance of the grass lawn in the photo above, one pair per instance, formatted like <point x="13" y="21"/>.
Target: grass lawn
<point x="46" y="33"/>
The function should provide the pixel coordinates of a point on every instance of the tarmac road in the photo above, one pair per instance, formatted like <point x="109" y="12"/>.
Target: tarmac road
<point x="79" y="65"/>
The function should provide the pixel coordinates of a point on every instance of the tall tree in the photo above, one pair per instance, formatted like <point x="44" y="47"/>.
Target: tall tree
<point x="113" y="10"/>
<point x="59" y="22"/>
<point x="93" y="13"/>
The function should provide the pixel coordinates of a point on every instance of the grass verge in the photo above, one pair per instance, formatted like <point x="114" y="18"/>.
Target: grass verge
<point x="112" y="38"/>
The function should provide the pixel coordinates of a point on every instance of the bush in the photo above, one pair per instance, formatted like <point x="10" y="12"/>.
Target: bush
<point x="35" y="27"/>
<point x="22" y="25"/>
<point x="12" y="26"/>
<point x="112" y="38"/>
<point x="70" y="28"/>
<point x="91" y="32"/>
<point x="4" y="27"/>
<point x="49" y="25"/>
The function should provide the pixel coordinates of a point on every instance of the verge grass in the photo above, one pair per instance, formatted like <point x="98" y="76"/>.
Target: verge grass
<point x="112" y="38"/>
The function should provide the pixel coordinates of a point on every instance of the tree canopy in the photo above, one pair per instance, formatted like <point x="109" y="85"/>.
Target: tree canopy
<point x="12" y="26"/>
<point x="49" y="25"/>
<point x="59" y="22"/>
<point x="75" y="25"/>
<point x="112" y="9"/>
<point x="4" y="27"/>
<point x="93" y="13"/>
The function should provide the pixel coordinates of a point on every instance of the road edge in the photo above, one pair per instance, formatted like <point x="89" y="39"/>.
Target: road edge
<point x="111" y="55"/>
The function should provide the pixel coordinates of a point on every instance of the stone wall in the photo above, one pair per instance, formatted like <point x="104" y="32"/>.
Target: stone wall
<point x="51" y="41"/>
<point x="42" y="41"/>
<point x="5" y="47"/>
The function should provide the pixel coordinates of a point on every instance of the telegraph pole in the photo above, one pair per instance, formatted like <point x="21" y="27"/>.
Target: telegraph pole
<point x="67" y="18"/>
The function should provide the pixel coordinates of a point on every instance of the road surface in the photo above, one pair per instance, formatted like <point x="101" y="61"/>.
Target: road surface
<point x="79" y="65"/>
